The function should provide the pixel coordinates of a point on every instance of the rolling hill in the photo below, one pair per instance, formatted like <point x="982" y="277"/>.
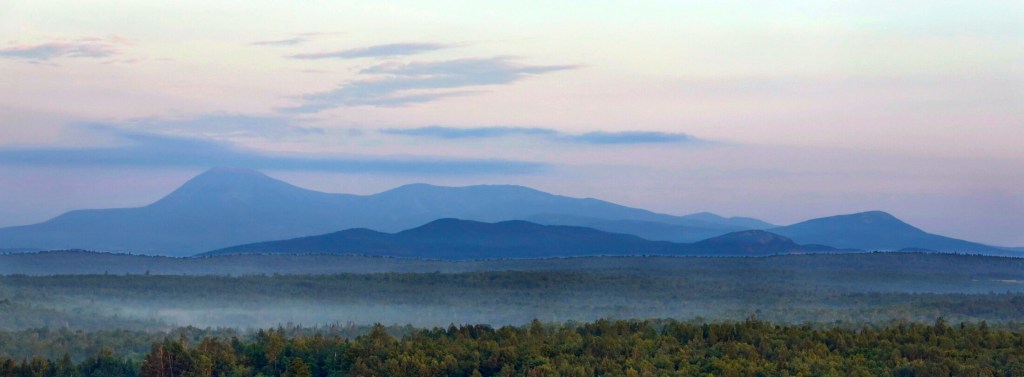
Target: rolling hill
<point x="453" y="239"/>
<point x="753" y="243"/>
<point x="464" y="239"/>
<point x="681" y="231"/>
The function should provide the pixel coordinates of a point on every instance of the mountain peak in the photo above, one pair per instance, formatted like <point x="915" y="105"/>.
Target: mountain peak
<point x="876" y="215"/>
<point x="224" y="174"/>
<point x="227" y="184"/>
<point x="744" y="222"/>
<point x="226" y="178"/>
<point x="706" y="216"/>
<point x="860" y="221"/>
<point x="871" y="218"/>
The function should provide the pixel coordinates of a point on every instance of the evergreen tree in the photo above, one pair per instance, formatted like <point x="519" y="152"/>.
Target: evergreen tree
<point x="297" y="368"/>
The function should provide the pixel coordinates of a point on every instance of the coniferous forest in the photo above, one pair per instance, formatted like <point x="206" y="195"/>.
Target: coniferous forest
<point x="875" y="314"/>
<point x="604" y="348"/>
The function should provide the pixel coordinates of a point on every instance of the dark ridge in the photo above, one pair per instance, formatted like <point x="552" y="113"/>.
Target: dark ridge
<point x="463" y="239"/>
<point x="455" y="239"/>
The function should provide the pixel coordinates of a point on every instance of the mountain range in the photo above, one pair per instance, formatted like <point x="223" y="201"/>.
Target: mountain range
<point x="225" y="207"/>
<point x="454" y="239"/>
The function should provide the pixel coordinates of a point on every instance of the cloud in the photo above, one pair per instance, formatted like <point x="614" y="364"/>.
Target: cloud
<point x="224" y="125"/>
<point x="468" y="133"/>
<point x="630" y="137"/>
<point x="281" y="42"/>
<point x="626" y="137"/>
<point x="497" y="70"/>
<point x="378" y="51"/>
<point x="429" y="81"/>
<point x="89" y="47"/>
<point x="139" y="149"/>
<point x="295" y="39"/>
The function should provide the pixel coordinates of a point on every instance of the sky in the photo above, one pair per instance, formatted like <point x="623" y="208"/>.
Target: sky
<point x="780" y="110"/>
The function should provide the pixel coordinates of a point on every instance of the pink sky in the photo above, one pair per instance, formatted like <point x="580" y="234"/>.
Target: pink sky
<point x="778" y="110"/>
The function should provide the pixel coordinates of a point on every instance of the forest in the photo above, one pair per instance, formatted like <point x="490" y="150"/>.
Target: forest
<point x="867" y="314"/>
<point x="601" y="348"/>
<point x="158" y="302"/>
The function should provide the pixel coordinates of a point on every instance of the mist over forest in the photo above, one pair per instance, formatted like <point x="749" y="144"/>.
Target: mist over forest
<point x="264" y="291"/>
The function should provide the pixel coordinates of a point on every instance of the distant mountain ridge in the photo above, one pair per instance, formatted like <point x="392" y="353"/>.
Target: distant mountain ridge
<point x="876" y="230"/>
<point x="17" y="250"/>
<point x="454" y="239"/>
<point x="682" y="231"/>
<point x="746" y="222"/>
<point x="225" y="206"/>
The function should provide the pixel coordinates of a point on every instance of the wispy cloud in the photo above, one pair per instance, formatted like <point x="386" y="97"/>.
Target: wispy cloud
<point x="625" y="137"/>
<point x="224" y="125"/>
<point x="152" y="150"/>
<point x="378" y="51"/>
<point x="281" y="42"/>
<point x="468" y="133"/>
<point x="393" y="82"/>
<point x="89" y="47"/>
<point x="295" y="39"/>
<point x="630" y="137"/>
<point x="497" y="70"/>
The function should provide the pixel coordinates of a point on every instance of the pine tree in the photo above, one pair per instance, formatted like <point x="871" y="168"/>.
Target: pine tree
<point x="297" y="368"/>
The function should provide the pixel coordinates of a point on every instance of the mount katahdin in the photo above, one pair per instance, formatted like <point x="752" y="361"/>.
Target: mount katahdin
<point x="224" y="207"/>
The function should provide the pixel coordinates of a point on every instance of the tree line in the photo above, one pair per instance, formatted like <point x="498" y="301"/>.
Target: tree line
<point x="601" y="348"/>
